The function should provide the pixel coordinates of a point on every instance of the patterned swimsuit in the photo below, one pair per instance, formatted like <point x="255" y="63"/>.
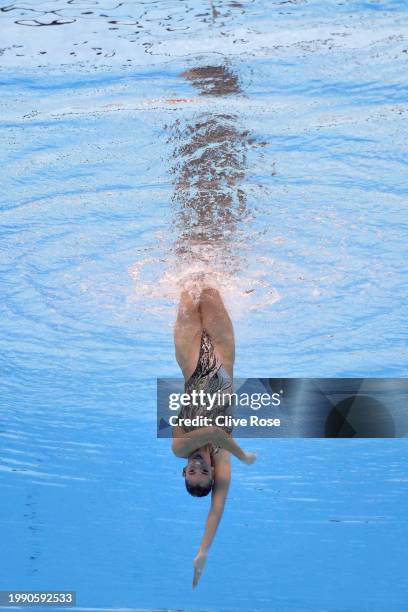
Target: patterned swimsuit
<point x="209" y="376"/>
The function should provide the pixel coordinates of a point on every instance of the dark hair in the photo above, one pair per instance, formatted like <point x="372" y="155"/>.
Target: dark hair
<point x="197" y="490"/>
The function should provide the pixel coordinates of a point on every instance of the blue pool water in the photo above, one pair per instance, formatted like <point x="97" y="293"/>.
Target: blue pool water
<point x="287" y="122"/>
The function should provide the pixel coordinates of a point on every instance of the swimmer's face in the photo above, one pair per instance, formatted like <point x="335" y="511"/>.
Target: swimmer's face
<point x="199" y="473"/>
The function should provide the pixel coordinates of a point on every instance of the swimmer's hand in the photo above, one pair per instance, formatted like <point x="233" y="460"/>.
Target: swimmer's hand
<point x="227" y="442"/>
<point x="249" y="458"/>
<point x="199" y="563"/>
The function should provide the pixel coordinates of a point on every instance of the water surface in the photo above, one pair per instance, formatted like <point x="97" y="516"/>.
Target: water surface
<point x="261" y="141"/>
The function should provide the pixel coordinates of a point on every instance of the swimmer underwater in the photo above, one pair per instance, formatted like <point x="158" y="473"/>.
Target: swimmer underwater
<point x="205" y="352"/>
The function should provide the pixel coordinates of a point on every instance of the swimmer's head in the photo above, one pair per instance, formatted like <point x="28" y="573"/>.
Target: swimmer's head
<point x="199" y="473"/>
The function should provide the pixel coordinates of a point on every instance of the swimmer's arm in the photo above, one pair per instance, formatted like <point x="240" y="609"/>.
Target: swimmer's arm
<point x="222" y="478"/>
<point x="228" y="443"/>
<point x="185" y="443"/>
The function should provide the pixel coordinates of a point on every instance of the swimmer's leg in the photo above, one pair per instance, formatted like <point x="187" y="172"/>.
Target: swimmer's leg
<point x="187" y="333"/>
<point x="216" y="321"/>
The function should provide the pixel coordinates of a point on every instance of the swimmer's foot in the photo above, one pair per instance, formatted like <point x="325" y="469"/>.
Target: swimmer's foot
<point x="193" y="283"/>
